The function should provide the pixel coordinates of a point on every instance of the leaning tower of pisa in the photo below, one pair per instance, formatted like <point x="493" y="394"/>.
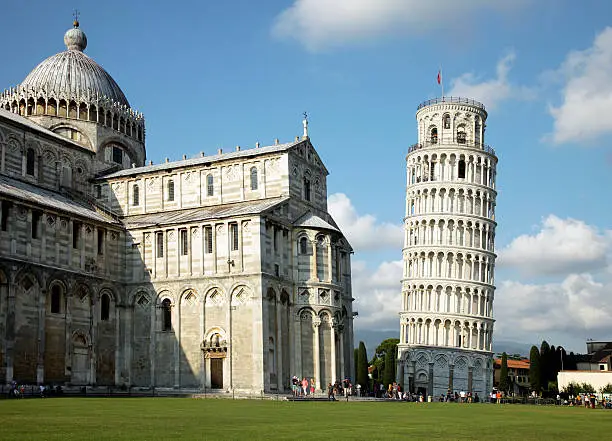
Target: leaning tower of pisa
<point x="446" y="318"/>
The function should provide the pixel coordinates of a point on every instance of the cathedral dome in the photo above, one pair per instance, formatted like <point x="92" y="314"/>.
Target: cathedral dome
<point x="73" y="74"/>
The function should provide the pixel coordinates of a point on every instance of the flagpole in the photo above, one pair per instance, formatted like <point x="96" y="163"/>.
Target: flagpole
<point x="442" y="82"/>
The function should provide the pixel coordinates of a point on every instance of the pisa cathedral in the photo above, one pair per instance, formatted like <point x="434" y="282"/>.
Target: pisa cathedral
<point x="446" y="319"/>
<point x="223" y="271"/>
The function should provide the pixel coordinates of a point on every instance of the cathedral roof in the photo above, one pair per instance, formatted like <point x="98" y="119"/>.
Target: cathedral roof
<point x="32" y="126"/>
<point x="203" y="213"/>
<point x="46" y="198"/>
<point x="73" y="74"/>
<point x="202" y="160"/>
<point x="310" y="220"/>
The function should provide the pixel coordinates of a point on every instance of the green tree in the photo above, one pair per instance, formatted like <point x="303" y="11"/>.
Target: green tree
<point x="362" y="366"/>
<point x="607" y="389"/>
<point x="587" y="388"/>
<point x="534" y="369"/>
<point x="545" y="367"/>
<point x="503" y="373"/>
<point x="389" y="372"/>
<point x="379" y="361"/>
<point x="355" y="361"/>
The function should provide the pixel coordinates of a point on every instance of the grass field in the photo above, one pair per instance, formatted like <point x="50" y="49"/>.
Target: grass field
<point x="183" y="418"/>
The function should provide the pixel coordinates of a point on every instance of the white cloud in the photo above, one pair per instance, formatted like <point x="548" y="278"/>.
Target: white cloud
<point x="363" y="232"/>
<point x="491" y="92"/>
<point x="321" y="24"/>
<point x="561" y="246"/>
<point x="563" y="313"/>
<point x="587" y="93"/>
<point x="378" y="295"/>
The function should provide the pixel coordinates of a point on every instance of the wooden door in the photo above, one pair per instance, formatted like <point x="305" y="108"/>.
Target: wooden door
<point x="216" y="373"/>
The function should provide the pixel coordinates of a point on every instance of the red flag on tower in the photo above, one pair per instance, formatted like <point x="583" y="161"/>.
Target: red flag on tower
<point x="439" y="77"/>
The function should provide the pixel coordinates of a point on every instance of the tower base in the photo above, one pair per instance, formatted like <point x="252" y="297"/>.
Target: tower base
<point x="436" y="371"/>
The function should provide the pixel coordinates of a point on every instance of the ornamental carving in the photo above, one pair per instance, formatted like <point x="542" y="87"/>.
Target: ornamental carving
<point x="245" y="226"/>
<point x="195" y="233"/>
<point x="143" y="301"/>
<point x="13" y="145"/>
<point x="49" y="156"/>
<point x="22" y="213"/>
<point x="147" y="237"/>
<point x="170" y="236"/>
<point x="51" y="221"/>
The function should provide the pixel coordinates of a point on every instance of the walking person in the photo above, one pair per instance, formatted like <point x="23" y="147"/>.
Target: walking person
<point x="330" y="392"/>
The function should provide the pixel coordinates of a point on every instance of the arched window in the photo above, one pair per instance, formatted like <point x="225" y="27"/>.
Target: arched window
<point x="210" y="188"/>
<point x="166" y="315"/>
<point x="135" y="195"/>
<point x="253" y="178"/>
<point x="171" y="190"/>
<point x="461" y="135"/>
<point x="105" y="307"/>
<point x="461" y="171"/>
<point x="447" y="121"/>
<point x="30" y="160"/>
<point x="303" y="245"/>
<point x="307" y="189"/>
<point x="434" y="135"/>
<point x="56" y="300"/>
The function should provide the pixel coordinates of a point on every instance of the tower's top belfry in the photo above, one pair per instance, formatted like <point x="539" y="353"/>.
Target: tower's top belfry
<point x="451" y="120"/>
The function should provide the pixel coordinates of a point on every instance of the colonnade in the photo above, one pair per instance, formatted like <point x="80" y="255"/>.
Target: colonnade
<point x="451" y="200"/>
<point x="323" y="374"/>
<point x="115" y="115"/>
<point x="469" y="334"/>
<point x="452" y="167"/>
<point x="450" y="232"/>
<point x="474" y="267"/>
<point x="452" y="300"/>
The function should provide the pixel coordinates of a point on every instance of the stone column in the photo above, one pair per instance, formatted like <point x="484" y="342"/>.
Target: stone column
<point x="152" y="343"/>
<point x="341" y="337"/>
<point x="333" y="351"/>
<point x="470" y="378"/>
<point x="313" y="263"/>
<point x="317" y="360"/>
<point x="430" y="386"/>
<point x="297" y="368"/>
<point x="68" y="330"/>
<point x="330" y="267"/>
<point x="279" y="350"/>
<point x="179" y="244"/>
<point x="190" y="232"/>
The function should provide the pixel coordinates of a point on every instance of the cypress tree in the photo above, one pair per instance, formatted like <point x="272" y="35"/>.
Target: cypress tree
<point x="362" y="366"/>
<point x="503" y="374"/>
<point x="355" y="363"/>
<point x="545" y="367"/>
<point x="389" y="372"/>
<point x="534" y="369"/>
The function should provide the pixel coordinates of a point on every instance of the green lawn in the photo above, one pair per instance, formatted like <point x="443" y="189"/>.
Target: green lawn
<point x="183" y="418"/>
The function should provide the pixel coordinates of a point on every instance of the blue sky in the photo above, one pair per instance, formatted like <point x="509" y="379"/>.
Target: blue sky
<point x="210" y="74"/>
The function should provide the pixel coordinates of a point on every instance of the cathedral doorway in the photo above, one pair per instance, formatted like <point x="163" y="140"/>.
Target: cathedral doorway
<point x="216" y="373"/>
